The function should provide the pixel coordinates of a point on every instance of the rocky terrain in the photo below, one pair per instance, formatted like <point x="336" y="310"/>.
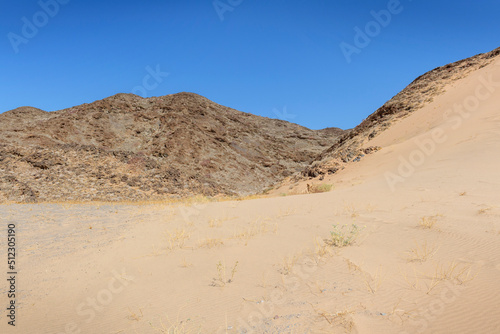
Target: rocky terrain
<point x="355" y="143"/>
<point x="130" y="148"/>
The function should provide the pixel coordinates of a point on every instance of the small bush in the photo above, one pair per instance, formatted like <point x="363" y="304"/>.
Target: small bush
<point x="320" y="188"/>
<point x="343" y="235"/>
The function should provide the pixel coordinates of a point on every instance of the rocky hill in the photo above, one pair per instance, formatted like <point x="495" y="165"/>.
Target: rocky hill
<point x="352" y="145"/>
<point x="130" y="148"/>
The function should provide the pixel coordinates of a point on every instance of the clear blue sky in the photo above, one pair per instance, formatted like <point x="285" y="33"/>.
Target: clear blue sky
<point x="280" y="59"/>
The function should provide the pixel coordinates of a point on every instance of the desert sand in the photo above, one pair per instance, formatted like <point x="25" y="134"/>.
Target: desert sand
<point x="425" y="257"/>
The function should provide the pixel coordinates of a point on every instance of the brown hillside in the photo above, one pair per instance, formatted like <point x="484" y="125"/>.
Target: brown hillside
<point x="127" y="148"/>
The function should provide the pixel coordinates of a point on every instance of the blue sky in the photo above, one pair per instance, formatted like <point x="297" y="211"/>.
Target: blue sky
<point x="279" y="59"/>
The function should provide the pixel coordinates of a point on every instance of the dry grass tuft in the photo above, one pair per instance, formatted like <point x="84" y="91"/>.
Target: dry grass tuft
<point x="321" y="249"/>
<point x="135" y="316"/>
<point x="185" y="264"/>
<point x="285" y="213"/>
<point x="372" y="283"/>
<point x="210" y="243"/>
<point x="288" y="263"/>
<point x="179" y="327"/>
<point x="421" y="253"/>
<point x="214" y="223"/>
<point x="217" y="222"/>
<point x="341" y="319"/>
<point x="413" y="282"/>
<point x="453" y="271"/>
<point x="350" y="210"/>
<point x="221" y="280"/>
<point x="428" y="222"/>
<point x="352" y="266"/>
<point x="484" y="210"/>
<point x="176" y="239"/>
<point x="258" y="227"/>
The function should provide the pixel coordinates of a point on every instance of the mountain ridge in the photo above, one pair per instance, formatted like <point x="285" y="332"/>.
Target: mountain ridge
<point x="125" y="147"/>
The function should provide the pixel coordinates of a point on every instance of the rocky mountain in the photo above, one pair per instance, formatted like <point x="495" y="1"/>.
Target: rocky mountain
<point x="130" y="148"/>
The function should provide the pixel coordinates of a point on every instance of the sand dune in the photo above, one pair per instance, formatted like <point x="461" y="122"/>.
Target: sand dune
<point x="426" y="258"/>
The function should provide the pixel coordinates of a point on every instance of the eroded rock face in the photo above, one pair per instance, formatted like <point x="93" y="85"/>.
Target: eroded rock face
<point x="129" y="148"/>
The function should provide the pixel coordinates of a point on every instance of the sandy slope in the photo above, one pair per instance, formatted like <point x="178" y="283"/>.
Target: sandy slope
<point x="154" y="268"/>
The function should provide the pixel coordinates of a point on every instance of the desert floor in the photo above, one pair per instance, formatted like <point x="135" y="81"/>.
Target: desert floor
<point x="425" y="257"/>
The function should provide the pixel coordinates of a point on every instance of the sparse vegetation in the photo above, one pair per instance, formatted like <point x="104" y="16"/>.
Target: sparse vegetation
<point x="180" y="327"/>
<point x="217" y="222"/>
<point x="221" y="280"/>
<point x="210" y="243"/>
<point x="350" y="210"/>
<point x="413" y="283"/>
<point x="483" y="210"/>
<point x="340" y="318"/>
<point x="343" y="235"/>
<point x="372" y="283"/>
<point x="135" y="316"/>
<point x="263" y="283"/>
<point x="454" y="272"/>
<point x="176" y="239"/>
<point x="421" y="252"/>
<point x="428" y="222"/>
<point x="285" y="213"/>
<point x="320" y="188"/>
<point x="288" y="264"/>
<point x="321" y="249"/>
<point x="258" y="227"/>
<point x="432" y="285"/>
<point x="185" y="264"/>
<point x="352" y="266"/>
<point x="214" y="223"/>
